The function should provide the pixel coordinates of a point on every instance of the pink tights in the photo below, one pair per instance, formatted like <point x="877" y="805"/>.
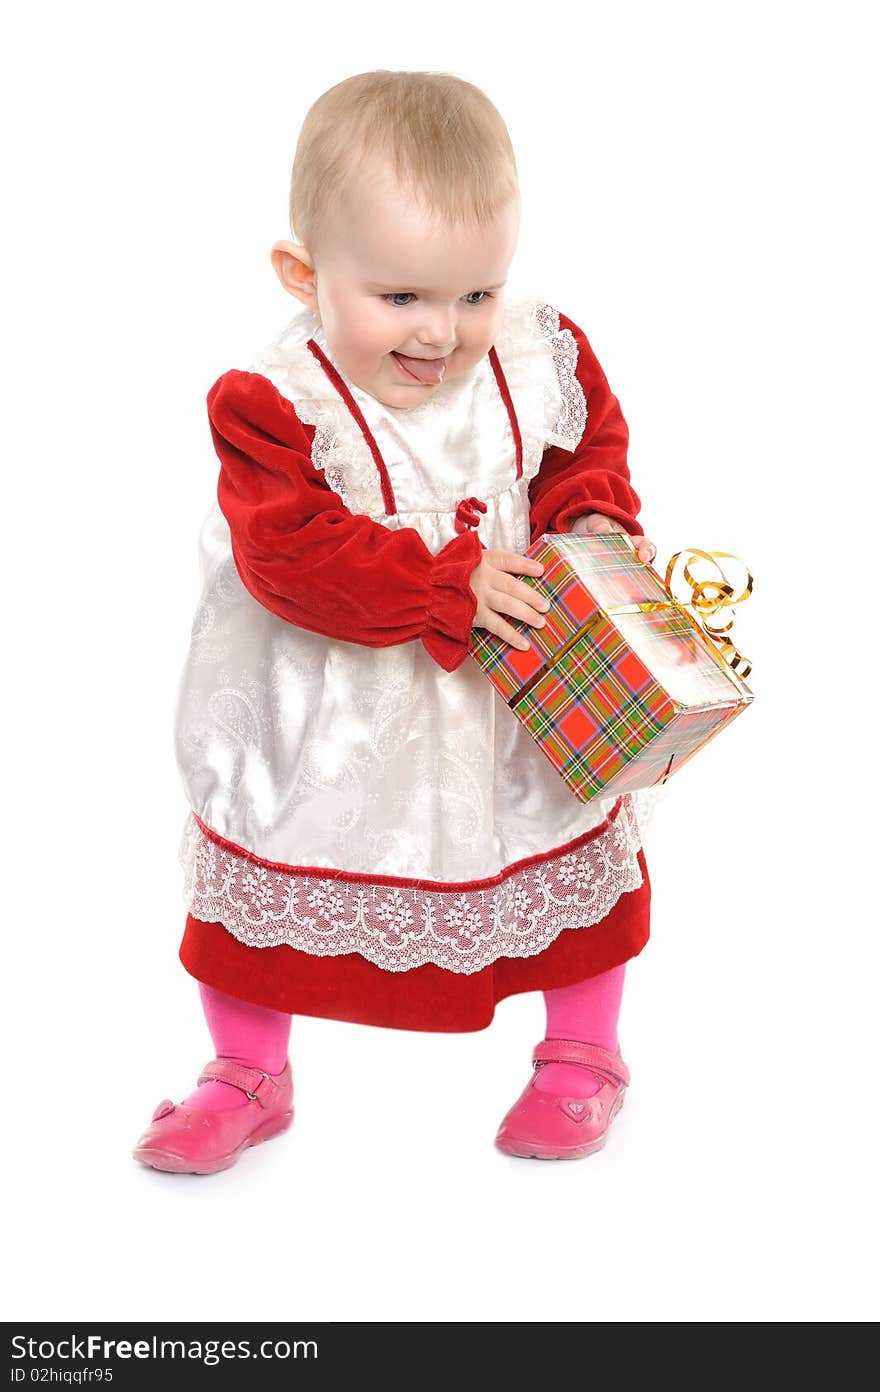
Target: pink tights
<point x="587" y="1012"/>
<point x="248" y="1034"/>
<point x="259" y="1037"/>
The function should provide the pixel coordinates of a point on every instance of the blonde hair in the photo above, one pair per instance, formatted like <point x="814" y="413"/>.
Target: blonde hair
<point x="445" y="141"/>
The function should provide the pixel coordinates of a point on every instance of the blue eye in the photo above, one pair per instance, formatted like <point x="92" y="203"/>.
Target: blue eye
<point x="408" y="295"/>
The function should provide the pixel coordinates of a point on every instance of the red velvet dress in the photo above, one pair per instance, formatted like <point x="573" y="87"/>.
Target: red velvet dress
<point x="373" y="836"/>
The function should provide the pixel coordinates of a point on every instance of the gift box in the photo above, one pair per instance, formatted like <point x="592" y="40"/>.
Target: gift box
<point x="625" y="681"/>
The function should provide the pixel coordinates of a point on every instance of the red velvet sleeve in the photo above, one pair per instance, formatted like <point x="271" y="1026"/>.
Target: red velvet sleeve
<point x="307" y="558"/>
<point x="594" y="478"/>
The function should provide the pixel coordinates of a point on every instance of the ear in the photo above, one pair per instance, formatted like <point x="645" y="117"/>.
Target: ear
<point x="296" y="271"/>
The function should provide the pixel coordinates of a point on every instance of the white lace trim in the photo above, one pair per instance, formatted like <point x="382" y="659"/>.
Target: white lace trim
<point x="399" y="927"/>
<point x="569" y="422"/>
<point x="557" y="415"/>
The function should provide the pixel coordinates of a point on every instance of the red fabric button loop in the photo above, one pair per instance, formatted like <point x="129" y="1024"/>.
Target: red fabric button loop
<point x="466" y="513"/>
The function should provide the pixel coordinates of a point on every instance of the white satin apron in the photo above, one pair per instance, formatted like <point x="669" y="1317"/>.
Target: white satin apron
<point x="311" y="754"/>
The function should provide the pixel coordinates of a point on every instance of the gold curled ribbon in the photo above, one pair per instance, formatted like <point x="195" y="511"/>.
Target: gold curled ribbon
<point x="708" y="597"/>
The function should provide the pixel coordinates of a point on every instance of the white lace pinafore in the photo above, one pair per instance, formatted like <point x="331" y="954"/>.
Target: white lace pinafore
<point x="357" y="799"/>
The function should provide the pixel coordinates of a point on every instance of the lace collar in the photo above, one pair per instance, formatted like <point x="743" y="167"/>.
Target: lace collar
<point x="532" y="348"/>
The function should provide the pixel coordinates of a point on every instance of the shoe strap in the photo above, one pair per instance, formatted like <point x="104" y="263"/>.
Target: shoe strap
<point x="602" y="1061"/>
<point x="258" y="1086"/>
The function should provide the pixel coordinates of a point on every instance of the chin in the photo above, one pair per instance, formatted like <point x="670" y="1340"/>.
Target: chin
<point x="405" y="401"/>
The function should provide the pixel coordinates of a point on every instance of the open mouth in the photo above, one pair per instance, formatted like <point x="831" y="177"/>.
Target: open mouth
<point x="427" y="371"/>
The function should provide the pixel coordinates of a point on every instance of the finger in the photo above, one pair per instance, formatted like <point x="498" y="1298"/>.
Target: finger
<point x="502" y="603"/>
<point x="508" y="634"/>
<point x="512" y="561"/>
<point x="645" y="548"/>
<point x="528" y="595"/>
<point x="509" y="590"/>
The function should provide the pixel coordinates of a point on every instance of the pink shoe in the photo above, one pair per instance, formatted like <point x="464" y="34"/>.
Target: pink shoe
<point x="545" y="1127"/>
<point x="191" y="1141"/>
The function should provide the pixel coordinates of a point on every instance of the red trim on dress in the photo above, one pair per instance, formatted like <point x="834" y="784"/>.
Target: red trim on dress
<point x="339" y="384"/>
<point x="508" y="401"/>
<point x="326" y="872"/>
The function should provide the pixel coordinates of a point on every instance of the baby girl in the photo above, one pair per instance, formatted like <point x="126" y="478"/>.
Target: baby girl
<point x="372" y="835"/>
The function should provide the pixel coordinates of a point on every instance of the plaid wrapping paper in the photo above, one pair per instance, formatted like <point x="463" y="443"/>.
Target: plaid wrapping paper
<point x="617" y="696"/>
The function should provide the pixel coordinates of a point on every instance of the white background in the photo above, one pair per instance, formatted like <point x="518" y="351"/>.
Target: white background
<point x="698" y="186"/>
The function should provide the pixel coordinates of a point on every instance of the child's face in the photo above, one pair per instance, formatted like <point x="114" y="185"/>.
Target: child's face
<point x="389" y="279"/>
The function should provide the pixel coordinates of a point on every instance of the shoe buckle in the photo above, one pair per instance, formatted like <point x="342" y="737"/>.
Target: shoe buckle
<point x="254" y="1096"/>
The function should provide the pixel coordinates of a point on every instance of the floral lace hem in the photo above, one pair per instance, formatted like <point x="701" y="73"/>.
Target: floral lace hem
<point x="399" y="927"/>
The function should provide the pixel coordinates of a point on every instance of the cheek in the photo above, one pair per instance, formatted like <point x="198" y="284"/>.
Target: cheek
<point x="374" y="332"/>
<point x="484" y="329"/>
<point x="483" y="335"/>
<point x="497" y="318"/>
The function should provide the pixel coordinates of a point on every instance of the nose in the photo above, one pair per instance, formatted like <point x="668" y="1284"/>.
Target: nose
<point x="437" y="330"/>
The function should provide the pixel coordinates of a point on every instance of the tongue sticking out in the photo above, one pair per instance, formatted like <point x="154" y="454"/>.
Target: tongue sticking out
<point x="425" y="370"/>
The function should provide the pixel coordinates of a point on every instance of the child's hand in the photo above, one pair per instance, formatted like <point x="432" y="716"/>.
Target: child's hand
<point x="498" y="592"/>
<point x="592" y="523"/>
